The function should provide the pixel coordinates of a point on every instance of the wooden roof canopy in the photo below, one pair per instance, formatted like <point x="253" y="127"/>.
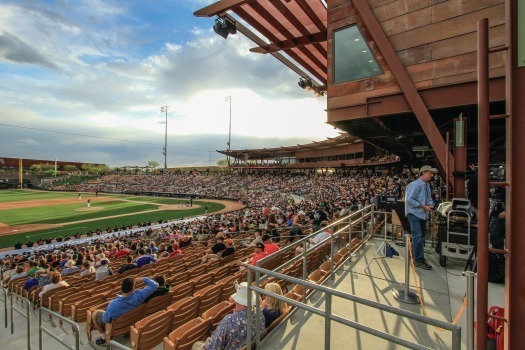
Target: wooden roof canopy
<point x="272" y="153"/>
<point x="297" y="28"/>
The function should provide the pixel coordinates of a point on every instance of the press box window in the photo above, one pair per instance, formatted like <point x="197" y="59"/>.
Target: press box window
<point x="353" y="59"/>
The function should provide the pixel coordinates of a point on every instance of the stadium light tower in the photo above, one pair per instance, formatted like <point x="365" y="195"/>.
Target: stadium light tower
<point x="164" y="109"/>
<point x="229" y="99"/>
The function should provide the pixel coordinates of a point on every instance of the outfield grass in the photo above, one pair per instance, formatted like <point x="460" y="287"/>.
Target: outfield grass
<point x="63" y="213"/>
<point x="8" y="196"/>
<point x="67" y="213"/>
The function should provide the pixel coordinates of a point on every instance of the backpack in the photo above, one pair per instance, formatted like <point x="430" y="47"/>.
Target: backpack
<point x="495" y="328"/>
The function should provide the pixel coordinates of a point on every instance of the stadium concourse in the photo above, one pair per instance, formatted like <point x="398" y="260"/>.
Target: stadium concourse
<point x="272" y="201"/>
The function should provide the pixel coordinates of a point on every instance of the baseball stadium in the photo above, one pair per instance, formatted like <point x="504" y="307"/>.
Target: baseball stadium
<point x="396" y="233"/>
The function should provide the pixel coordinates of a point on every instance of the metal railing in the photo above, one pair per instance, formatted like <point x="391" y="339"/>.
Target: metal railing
<point x="42" y="329"/>
<point x="5" y="292"/>
<point x="27" y="315"/>
<point x="348" y="223"/>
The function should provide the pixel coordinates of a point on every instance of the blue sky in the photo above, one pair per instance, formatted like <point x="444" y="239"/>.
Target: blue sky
<point x="84" y="81"/>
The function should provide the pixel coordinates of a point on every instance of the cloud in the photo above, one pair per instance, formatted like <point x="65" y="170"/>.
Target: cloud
<point x="15" y="50"/>
<point x="119" y="62"/>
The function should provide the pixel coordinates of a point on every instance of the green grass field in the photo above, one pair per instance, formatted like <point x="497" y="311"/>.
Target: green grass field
<point x="134" y="209"/>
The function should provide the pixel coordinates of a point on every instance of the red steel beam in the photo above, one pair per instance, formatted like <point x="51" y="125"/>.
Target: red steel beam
<point x="406" y="84"/>
<point x="515" y="205"/>
<point x="483" y="182"/>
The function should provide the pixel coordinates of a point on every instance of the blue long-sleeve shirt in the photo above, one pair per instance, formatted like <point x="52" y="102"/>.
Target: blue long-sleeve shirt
<point x="417" y="194"/>
<point x="119" y="306"/>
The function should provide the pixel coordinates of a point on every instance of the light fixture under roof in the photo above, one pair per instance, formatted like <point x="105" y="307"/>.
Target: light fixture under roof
<point x="223" y="26"/>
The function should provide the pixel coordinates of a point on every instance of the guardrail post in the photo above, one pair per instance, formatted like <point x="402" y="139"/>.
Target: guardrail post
<point x="6" y="291"/>
<point x="470" y="309"/>
<point x="305" y="269"/>
<point x="332" y="256"/>
<point x="405" y="295"/>
<point x="327" y="320"/>
<point x="249" y="307"/>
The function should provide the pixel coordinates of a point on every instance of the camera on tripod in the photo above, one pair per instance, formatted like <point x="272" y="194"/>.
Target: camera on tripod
<point x="385" y="202"/>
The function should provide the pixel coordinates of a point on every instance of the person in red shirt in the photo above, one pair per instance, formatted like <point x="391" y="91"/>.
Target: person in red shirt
<point x="259" y="253"/>
<point x="269" y="246"/>
<point x="121" y="252"/>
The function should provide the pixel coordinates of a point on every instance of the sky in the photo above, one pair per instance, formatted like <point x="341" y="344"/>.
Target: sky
<point x="84" y="81"/>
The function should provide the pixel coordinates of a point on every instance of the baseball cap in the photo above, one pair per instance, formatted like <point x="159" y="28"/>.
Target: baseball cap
<point x="259" y="245"/>
<point x="427" y="168"/>
<point x="266" y="237"/>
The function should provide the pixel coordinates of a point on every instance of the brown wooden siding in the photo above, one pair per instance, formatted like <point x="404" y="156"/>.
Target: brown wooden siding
<point x="435" y="40"/>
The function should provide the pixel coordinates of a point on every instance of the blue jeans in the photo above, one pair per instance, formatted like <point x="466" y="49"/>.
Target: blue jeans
<point x="417" y="226"/>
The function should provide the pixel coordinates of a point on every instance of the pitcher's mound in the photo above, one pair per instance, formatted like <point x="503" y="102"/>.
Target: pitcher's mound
<point x="89" y="209"/>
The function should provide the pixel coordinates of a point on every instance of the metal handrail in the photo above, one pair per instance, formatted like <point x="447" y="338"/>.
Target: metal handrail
<point x="329" y="293"/>
<point x="41" y="329"/>
<point x="114" y="344"/>
<point x="27" y="315"/>
<point x="5" y="292"/>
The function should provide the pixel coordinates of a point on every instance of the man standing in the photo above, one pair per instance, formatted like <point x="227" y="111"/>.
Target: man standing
<point x="418" y="203"/>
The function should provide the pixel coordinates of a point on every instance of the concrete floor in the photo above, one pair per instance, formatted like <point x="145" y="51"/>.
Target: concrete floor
<point x="442" y="290"/>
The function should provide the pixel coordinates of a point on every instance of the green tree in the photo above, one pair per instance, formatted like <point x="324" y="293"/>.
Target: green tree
<point x="222" y="162"/>
<point x="70" y="168"/>
<point x="153" y="164"/>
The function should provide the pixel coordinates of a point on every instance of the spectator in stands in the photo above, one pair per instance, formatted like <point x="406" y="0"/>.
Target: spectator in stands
<point x="229" y="250"/>
<point x="258" y="239"/>
<point x="318" y="216"/>
<point x="259" y="253"/>
<point x="269" y="246"/>
<point x="69" y="267"/>
<point x="20" y="272"/>
<point x="232" y="331"/>
<point x="129" y="265"/>
<point x="56" y="281"/>
<point x="130" y="299"/>
<point x="162" y="289"/>
<point x="33" y="267"/>
<point x="87" y="268"/>
<point x="121" y="251"/>
<point x="144" y="259"/>
<point x="9" y="272"/>
<point x="298" y="225"/>
<point x="103" y="270"/>
<point x="272" y="308"/>
<point x="218" y="247"/>
<point x="325" y="233"/>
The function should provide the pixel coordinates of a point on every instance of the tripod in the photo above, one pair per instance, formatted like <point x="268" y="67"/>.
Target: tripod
<point x="384" y="244"/>
<point x="472" y="260"/>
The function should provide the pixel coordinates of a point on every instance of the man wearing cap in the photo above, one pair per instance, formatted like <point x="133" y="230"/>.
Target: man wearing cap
<point x="232" y="331"/>
<point x="418" y="203"/>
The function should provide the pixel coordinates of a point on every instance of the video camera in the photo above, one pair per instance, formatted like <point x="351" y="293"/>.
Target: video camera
<point x="385" y="202"/>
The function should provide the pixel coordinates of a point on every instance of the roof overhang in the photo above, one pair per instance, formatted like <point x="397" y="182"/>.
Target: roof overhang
<point x="294" y="32"/>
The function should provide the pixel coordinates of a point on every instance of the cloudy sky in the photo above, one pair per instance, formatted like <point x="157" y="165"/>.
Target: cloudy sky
<point x="84" y="81"/>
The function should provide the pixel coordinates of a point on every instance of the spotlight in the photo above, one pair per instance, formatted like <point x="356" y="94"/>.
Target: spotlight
<point x="302" y="83"/>
<point x="224" y="27"/>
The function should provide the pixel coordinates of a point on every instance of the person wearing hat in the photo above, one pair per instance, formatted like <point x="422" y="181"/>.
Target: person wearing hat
<point x="418" y="203"/>
<point x="69" y="267"/>
<point x="232" y="331"/>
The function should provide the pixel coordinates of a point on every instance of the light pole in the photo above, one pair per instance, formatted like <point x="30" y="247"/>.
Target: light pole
<point x="229" y="99"/>
<point x="164" y="109"/>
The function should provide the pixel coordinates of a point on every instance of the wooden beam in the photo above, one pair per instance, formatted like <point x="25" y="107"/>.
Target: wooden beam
<point x="219" y="7"/>
<point x="288" y="44"/>
<point x="405" y="83"/>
